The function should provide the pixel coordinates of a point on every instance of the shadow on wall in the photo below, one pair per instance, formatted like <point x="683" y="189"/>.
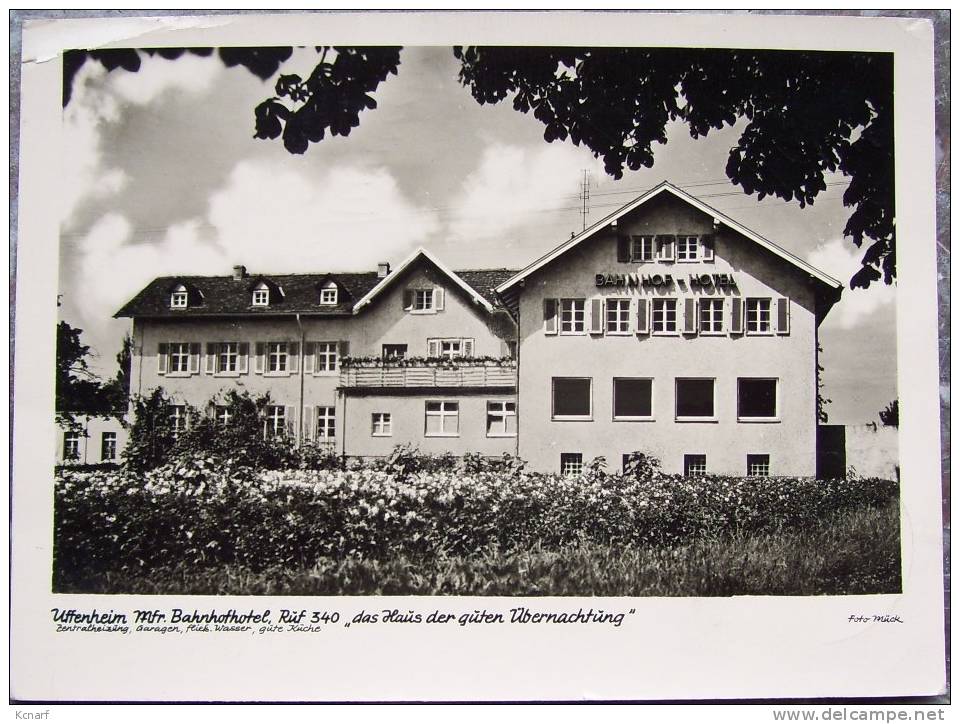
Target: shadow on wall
<point x="866" y="451"/>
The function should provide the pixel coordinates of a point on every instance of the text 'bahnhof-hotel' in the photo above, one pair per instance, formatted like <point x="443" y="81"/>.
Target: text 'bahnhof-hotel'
<point x="666" y="328"/>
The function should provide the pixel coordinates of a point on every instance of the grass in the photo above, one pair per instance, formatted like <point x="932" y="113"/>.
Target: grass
<point x="854" y="552"/>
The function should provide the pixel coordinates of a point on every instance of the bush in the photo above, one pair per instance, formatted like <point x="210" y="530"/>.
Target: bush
<point x="211" y="512"/>
<point x="153" y="441"/>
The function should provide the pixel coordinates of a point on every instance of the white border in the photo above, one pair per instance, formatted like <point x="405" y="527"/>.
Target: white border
<point x="675" y="648"/>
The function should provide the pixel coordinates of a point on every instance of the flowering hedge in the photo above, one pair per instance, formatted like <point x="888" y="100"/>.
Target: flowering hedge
<point x="211" y="512"/>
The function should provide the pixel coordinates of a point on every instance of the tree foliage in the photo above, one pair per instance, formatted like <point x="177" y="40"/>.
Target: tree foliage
<point x="805" y="113"/>
<point x="78" y="390"/>
<point x="890" y="415"/>
<point x="238" y="440"/>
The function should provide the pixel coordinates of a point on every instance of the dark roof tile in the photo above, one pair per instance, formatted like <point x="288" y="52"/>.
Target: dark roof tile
<point x="226" y="296"/>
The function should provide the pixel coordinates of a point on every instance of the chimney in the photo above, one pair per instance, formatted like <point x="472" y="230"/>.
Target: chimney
<point x="383" y="268"/>
<point x="239" y="272"/>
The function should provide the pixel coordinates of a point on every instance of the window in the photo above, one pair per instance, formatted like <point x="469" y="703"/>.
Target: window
<point x="641" y="248"/>
<point x="711" y="316"/>
<point x="326" y="423"/>
<point x="756" y="398"/>
<point x="222" y="414"/>
<point x="632" y="398"/>
<point x="572" y="398"/>
<point x="422" y="300"/>
<point x="179" y="298"/>
<point x="758" y="465"/>
<point x="382" y="424"/>
<point x="276" y="356"/>
<point x="572" y="316"/>
<point x="108" y="446"/>
<point x="450" y="348"/>
<point x="328" y="294"/>
<point x="687" y="248"/>
<point x="275" y="422"/>
<point x="694" y="399"/>
<point x="326" y="357"/>
<point x="618" y="316"/>
<point x="227" y="357"/>
<point x="665" y="316"/>
<point x="443" y="419"/>
<point x="501" y="418"/>
<point x="178" y="419"/>
<point x="261" y="296"/>
<point x="179" y="357"/>
<point x="71" y="446"/>
<point x="571" y="463"/>
<point x="394" y="351"/>
<point x="758" y="316"/>
<point x="694" y="465"/>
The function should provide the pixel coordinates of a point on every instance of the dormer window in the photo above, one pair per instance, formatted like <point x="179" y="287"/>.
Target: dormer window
<point x="328" y="293"/>
<point x="179" y="298"/>
<point x="261" y="296"/>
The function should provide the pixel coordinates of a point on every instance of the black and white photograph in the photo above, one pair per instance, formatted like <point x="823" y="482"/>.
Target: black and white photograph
<point x="540" y="334"/>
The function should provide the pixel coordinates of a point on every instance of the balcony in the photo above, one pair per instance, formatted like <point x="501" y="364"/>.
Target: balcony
<point x="429" y="375"/>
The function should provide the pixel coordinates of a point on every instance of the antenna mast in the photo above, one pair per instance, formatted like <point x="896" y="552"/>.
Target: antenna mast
<point x="585" y="197"/>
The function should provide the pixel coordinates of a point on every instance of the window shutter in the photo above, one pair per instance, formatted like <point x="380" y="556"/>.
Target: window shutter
<point x="438" y="298"/>
<point x="736" y="316"/>
<point x="550" y="316"/>
<point x="706" y="247"/>
<point x="308" y="422"/>
<point x="261" y="353"/>
<point x="783" y="315"/>
<point x="162" y="358"/>
<point x="293" y="356"/>
<point x="211" y="410"/>
<point x="290" y="420"/>
<point x="596" y="316"/>
<point x="665" y="243"/>
<point x="623" y="248"/>
<point x="211" y="361"/>
<point x="243" y="365"/>
<point x="433" y="348"/>
<point x="343" y="349"/>
<point x="194" y="358"/>
<point x="643" y="322"/>
<point x="689" y="315"/>
<point x="309" y="350"/>
<point x="407" y="299"/>
<point x="468" y="347"/>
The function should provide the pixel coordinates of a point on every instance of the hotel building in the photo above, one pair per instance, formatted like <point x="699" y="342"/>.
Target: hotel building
<point x="666" y="327"/>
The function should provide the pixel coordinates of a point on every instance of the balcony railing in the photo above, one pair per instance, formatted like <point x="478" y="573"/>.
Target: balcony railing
<point x="461" y="373"/>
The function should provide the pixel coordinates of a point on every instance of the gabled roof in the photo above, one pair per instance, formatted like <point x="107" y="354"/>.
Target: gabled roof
<point x="226" y="296"/>
<point x="666" y="187"/>
<point x="229" y="296"/>
<point x="422" y="253"/>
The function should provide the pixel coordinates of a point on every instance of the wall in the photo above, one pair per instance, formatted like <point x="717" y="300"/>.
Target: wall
<point x="791" y="442"/>
<point x="408" y="416"/>
<point x="384" y="321"/>
<point x="868" y="451"/>
<point x="91" y="442"/>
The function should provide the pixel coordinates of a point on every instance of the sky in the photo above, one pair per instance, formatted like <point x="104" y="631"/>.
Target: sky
<point x="162" y="175"/>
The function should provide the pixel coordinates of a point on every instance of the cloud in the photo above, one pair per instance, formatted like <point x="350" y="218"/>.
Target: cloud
<point x="514" y="186"/>
<point x="186" y="74"/>
<point x="276" y="217"/>
<point x="97" y="102"/>
<point x="841" y="259"/>
<point x="81" y="174"/>
<point x="270" y="218"/>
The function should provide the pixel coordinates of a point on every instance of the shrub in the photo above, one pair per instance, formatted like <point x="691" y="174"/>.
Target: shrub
<point x="211" y="512"/>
